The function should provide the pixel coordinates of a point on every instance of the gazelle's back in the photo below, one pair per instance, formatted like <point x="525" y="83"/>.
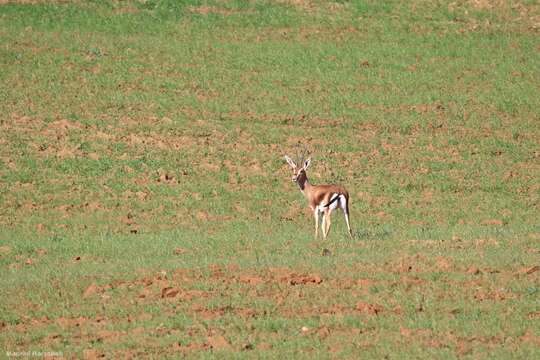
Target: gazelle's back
<point x="323" y="193"/>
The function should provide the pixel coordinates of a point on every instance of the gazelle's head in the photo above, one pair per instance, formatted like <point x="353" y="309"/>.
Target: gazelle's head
<point x="299" y="172"/>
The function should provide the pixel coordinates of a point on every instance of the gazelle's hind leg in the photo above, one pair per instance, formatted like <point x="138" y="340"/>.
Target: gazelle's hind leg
<point x="348" y="225"/>
<point x="344" y="204"/>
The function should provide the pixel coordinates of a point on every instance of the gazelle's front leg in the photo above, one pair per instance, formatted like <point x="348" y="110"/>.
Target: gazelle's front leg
<point x="316" y="213"/>
<point x="323" y="226"/>
<point x="327" y="222"/>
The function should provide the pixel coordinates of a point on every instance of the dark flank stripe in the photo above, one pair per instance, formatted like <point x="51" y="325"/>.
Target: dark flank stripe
<point x="333" y="200"/>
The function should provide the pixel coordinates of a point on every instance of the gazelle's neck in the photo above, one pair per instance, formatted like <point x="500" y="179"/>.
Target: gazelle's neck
<point x="303" y="182"/>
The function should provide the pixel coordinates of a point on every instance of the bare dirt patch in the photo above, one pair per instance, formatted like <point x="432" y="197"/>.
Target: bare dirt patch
<point x="218" y="342"/>
<point x="369" y="309"/>
<point x="284" y="292"/>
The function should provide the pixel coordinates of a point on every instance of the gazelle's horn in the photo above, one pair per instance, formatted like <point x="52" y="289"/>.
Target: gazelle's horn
<point x="305" y="152"/>
<point x="298" y="159"/>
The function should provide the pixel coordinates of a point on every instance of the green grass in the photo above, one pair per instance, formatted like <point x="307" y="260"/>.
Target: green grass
<point x="141" y="148"/>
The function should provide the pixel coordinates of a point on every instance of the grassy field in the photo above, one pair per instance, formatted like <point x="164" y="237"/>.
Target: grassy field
<point x="146" y="209"/>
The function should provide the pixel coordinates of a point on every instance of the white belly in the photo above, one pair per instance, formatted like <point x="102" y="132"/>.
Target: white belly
<point x="334" y="205"/>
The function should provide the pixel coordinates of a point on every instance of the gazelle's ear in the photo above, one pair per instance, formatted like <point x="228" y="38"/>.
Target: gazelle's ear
<point x="307" y="163"/>
<point x="289" y="160"/>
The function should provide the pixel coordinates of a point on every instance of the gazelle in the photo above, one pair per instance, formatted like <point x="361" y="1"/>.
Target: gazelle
<point x="322" y="199"/>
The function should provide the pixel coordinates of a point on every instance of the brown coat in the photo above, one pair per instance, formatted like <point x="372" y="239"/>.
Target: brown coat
<point x="318" y="195"/>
